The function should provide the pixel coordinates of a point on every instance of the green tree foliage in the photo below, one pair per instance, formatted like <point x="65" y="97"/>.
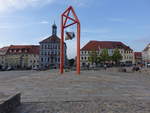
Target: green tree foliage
<point x="116" y="57"/>
<point x="104" y="56"/>
<point x="93" y="57"/>
<point x="99" y="59"/>
<point x="71" y="62"/>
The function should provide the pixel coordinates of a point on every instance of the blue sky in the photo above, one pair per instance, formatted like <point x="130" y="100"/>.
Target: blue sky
<point x="29" y="21"/>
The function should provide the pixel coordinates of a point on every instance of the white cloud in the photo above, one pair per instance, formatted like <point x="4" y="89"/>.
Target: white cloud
<point x="7" y="5"/>
<point x="44" y="22"/>
<point x="96" y="31"/>
<point x="80" y="3"/>
<point x="76" y="3"/>
<point x="4" y="26"/>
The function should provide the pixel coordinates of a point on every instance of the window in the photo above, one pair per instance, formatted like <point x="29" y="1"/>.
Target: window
<point x="41" y="59"/>
<point x="82" y="58"/>
<point x="55" y="59"/>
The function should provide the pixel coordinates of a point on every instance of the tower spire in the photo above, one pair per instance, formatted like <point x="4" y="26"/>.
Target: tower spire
<point x="54" y="29"/>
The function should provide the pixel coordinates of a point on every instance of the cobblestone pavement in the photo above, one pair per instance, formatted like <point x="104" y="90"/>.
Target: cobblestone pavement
<point x="97" y="106"/>
<point x="91" y="92"/>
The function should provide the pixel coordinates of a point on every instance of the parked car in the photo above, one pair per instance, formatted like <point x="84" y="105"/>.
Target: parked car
<point x="4" y="68"/>
<point x="9" y="68"/>
<point x="148" y="65"/>
<point x="35" y="68"/>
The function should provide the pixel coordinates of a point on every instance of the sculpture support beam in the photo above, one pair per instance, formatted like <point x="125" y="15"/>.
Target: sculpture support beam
<point x="63" y="26"/>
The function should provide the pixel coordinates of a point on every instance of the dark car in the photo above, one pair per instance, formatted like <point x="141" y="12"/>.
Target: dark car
<point x="4" y="68"/>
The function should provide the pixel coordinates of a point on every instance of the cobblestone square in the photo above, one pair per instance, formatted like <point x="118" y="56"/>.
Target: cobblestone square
<point x="90" y="92"/>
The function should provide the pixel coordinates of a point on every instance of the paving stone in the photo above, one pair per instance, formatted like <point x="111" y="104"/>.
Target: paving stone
<point x="91" y="92"/>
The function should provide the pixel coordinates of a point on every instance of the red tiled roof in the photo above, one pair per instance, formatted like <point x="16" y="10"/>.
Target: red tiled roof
<point x="138" y="54"/>
<point x="3" y="50"/>
<point x="52" y="38"/>
<point x="28" y="49"/>
<point x="96" y="45"/>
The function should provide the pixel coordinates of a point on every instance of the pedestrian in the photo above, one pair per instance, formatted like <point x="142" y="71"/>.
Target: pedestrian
<point x="105" y="66"/>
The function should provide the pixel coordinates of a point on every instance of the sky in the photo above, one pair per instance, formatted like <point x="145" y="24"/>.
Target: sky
<point x="29" y="21"/>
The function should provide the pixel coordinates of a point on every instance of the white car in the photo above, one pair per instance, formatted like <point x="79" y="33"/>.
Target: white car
<point x="35" y="68"/>
<point x="9" y="68"/>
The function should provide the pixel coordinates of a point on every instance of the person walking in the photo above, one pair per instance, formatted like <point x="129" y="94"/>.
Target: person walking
<point x="105" y="67"/>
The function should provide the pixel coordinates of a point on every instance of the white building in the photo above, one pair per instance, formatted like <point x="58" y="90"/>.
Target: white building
<point x="50" y="51"/>
<point x="146" y="54"/>
<point x="98" y="46"/>
<point x="20" y="56"/>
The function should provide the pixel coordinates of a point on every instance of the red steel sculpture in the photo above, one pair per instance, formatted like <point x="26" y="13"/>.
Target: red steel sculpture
<point x="65" y="17"/>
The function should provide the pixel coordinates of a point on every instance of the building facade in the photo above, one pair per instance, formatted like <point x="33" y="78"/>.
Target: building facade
<point x="21" y="56"/>
<point x="146" y="54"/>
<point x="3" y="52"/>
<point x="137" y="57"/>
<point x="50" y="51"/>
<point x="98" y="46"/>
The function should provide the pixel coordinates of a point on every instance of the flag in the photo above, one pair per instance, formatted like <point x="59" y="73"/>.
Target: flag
<point x="69" y="35"/>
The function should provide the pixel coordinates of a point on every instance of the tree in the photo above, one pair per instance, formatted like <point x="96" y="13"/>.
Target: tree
<point x="116" y="57"/>
<point x="99" y="59"/>
<point x="104" y="55"/>
<point x="93" y="57"/>
<point x="71" y="62"/>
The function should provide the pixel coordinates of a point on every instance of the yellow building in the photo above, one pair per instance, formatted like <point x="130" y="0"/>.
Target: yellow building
<point x="21" y="56"/>
<point x="3" y="52"/>
<point x="146" y="54"/>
